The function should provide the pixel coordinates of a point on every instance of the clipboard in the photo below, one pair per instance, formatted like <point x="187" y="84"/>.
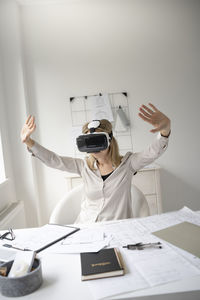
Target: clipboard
<point x="43" y="237"/>
<point x="75" y="229"/>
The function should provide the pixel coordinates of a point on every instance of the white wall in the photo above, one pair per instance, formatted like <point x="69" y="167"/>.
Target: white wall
<point x="13" y="111"/>
<point x="148" y="48"/>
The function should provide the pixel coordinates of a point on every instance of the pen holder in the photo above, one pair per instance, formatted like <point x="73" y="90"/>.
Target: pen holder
<point x="23" y="285"/>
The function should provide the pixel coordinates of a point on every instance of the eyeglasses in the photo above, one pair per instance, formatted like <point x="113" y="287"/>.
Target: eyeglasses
<point x="9" y="235"/>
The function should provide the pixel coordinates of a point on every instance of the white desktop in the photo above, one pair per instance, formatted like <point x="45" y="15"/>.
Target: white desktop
<point x="62" y="271"/>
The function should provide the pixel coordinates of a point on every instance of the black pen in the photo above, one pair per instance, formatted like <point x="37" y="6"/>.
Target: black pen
<point x="141" y="246"/>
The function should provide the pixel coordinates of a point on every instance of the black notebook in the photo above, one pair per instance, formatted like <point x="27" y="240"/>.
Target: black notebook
<point x="105" y="263"/>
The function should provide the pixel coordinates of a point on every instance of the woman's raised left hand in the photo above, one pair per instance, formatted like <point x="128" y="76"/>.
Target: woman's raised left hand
<point x="156" y="118"/>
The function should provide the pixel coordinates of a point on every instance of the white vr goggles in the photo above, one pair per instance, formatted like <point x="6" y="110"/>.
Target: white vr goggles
<point x="94" y="141"/>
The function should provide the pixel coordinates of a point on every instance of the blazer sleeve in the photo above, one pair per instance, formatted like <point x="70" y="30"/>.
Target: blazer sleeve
<point x="53" y="160"/>
<point x="151" y="153"/>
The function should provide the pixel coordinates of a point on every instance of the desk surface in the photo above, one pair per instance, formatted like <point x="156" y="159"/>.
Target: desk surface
<point x="62" y="280"/>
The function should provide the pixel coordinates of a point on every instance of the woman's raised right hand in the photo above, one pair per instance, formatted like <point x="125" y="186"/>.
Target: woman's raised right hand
<point x="28" y="129"/>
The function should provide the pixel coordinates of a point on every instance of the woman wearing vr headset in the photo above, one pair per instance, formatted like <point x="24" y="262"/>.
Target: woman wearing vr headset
<point x="106" y="174"/>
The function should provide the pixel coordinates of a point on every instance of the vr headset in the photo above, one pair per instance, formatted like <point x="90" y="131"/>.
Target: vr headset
<point x="94" y="141"/>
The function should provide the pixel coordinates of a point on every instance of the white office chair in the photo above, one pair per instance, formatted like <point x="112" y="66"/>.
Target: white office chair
<point x="68" y="208"/>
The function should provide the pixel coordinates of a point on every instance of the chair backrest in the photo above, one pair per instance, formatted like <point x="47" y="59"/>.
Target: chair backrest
<point x="68" y="208"/>
<point x="140" y="205"/>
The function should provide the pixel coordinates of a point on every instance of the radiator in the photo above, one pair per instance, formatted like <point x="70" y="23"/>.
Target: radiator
<point x="13" y="217"/>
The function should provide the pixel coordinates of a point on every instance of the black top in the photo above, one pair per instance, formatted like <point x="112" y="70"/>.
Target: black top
<point x="105" y="176"/>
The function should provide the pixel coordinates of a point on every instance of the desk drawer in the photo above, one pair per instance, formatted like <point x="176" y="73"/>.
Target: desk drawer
<point x="145" y="181"/>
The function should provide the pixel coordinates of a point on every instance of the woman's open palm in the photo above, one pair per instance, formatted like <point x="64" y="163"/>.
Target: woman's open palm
<point x="28" y="128"/>
<point x="154" y="117"/>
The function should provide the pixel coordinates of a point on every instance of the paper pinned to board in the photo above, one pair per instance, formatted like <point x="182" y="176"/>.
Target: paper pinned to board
<point x="184" y="235"/>
<point x="101" y="108"/>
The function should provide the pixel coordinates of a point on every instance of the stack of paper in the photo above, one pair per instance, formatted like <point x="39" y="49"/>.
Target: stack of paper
<point x="84" y="240"/>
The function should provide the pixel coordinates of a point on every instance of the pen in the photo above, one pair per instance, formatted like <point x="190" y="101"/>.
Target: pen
<point x="141" y="246"/>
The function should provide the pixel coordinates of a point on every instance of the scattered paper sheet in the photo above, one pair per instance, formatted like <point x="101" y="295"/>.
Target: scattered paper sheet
<point x="84" y="240"/>
<point x="165" y="268"/>
<point x="79" y="248"/>
<point x="84" y="236"/>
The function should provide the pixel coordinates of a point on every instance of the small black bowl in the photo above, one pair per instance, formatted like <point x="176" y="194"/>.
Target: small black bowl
<point x="23" y="285"/>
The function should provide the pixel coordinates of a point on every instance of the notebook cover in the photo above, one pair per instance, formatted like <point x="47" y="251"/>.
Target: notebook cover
<point x="104" y="261"/>
<point x="184" y="235"/>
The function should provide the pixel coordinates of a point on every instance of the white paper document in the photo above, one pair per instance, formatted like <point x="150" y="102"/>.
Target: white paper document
<point x="101" y="108"/>
<point x="79" y="248"/>
<point x="84" y="236"/>
<point x="84" y="240"/>
<point x="165" y="268"/>
<point x="158" y="222"/>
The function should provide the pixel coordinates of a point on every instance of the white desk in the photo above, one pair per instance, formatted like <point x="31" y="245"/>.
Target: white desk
<point x="62" y="280"/>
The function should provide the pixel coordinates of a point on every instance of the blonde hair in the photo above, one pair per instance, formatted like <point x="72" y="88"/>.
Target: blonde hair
<point x="105" y="126"/>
